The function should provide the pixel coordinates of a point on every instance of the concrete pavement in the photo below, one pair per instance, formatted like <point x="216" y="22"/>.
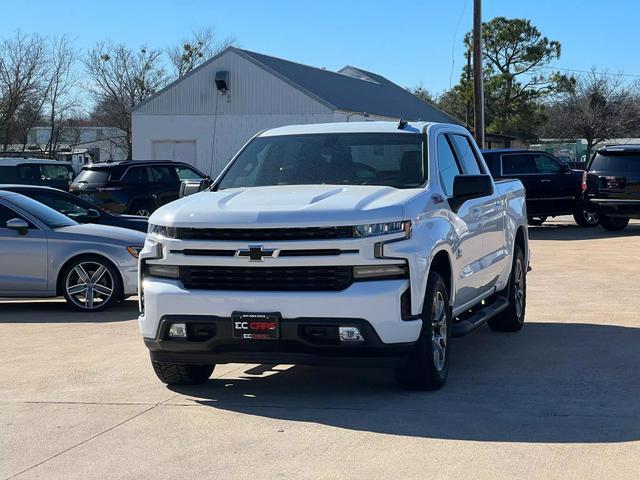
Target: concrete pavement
<point x="560" y="399"/>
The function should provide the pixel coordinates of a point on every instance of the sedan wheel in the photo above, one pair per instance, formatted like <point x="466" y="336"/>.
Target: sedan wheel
<point x="91" y="284"/>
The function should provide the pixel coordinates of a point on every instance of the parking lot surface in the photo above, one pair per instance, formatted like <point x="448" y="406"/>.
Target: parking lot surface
<point x="560" y="399"/>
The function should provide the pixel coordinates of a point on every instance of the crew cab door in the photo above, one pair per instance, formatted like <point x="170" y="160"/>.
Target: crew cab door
<point x="564" y="183"/>
<point x="479" y="223"/>
<point x="538" y="186"/>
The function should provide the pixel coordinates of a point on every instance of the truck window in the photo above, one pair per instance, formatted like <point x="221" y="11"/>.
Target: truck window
<point x="389" y="159"/>
<point x="546" y="164"/>
<point x="518" y="164"/>
<point x="466" y="155"/>
<point x="447" y="165"/>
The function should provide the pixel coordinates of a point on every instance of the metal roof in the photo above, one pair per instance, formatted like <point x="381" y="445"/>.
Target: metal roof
<point x="351" y="89"/>
<point x="367" y="93"/>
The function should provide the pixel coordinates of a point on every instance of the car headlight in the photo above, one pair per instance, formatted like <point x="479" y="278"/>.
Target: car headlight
<point x="161" y="230"/>
<point x="134" y="251"/>
<point x="376" y="229"/>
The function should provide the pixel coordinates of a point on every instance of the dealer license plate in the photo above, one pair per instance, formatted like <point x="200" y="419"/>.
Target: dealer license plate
<point x="256" y="326"/>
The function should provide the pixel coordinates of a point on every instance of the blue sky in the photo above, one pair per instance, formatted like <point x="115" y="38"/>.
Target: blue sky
<point x="409" y="42"/>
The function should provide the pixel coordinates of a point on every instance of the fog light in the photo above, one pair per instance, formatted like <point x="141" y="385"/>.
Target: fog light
<point x="350" y="334"/>
<point x="178" y="330"/>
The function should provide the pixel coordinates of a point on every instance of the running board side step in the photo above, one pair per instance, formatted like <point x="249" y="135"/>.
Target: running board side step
<point x="480" y="317"/>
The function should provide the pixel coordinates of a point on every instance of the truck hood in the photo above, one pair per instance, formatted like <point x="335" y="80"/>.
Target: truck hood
<point x="287" y="206"/>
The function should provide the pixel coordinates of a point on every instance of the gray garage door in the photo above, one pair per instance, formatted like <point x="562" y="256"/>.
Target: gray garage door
<point x="176" y="150"/>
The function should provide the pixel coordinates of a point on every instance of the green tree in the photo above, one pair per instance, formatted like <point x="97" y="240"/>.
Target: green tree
<point x="517" y="58"/>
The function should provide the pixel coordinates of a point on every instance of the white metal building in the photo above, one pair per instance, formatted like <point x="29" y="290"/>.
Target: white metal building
<point x="205" y="117"/>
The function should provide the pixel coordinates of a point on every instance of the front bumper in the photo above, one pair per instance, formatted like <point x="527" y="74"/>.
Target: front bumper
<point x="377" y="302"/>
<point x="307" y="341"/>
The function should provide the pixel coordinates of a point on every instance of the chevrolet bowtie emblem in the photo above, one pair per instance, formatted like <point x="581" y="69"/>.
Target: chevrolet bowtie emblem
<point x="256" y="253"/>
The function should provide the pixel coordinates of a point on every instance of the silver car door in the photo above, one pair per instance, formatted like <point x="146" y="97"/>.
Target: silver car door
<point x="23" y="256"/>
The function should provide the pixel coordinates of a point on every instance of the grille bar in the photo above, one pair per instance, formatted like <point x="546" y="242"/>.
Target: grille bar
<point x="264" y="234"/>
<point x="266" y="279"/>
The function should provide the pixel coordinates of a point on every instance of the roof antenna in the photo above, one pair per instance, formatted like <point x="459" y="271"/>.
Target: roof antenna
<point x="402" y="123"/>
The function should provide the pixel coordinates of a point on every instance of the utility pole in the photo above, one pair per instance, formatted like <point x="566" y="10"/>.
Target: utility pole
<point x="468" y="82"/>
<point x="478" y="84"/>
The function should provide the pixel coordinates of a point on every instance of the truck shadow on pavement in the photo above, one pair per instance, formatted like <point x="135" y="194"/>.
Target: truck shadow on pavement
<point x="38" y="311"/>
<point x="549" y="383"/>
<point x="563" y="231"/>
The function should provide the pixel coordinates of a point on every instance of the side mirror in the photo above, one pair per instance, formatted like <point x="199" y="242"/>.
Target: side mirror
<point x="466" y="187"/>
<point x="189" y="187"/>
<point x="92" y="215"/>
<point x="19" y="225"/>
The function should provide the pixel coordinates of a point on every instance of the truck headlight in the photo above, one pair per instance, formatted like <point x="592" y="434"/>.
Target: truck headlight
<point x="366" y="272"/>
<point x="166" y="271"/>
<point x="161" y="230"/>
<point x="376" y="229"/>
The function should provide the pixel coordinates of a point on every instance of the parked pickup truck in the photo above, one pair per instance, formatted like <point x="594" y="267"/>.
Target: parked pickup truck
<point x="367" y="244"/>
<point x="552" y="187"/>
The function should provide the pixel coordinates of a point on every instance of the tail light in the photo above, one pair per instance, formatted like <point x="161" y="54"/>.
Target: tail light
<point x="584" y="181"/>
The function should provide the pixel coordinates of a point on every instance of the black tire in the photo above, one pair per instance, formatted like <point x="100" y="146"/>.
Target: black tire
<point x="512" y="318"/>
<point x="537" y="221"/>
<point x="143" y="208"/>
<point x="613" y="224"/>
<point x="422" y="371"/>
<point x="182" y="374"/>
<point x="586" y="217"/>
<point x="94" y="297"/>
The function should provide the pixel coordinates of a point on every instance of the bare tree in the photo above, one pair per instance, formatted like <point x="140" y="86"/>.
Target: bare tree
<point x="62" y="93"/>
<point x="597" y="108"/>
<point x="23" y="68"/>
<point x="120" y="78"/>
<point x="202" y="45"/>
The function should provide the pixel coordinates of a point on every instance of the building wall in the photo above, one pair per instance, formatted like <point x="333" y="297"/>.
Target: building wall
<point x="186" y="111"/>
<point x="231" y="133"/>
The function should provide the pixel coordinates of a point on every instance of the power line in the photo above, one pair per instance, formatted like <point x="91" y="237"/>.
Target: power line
<point x="574" y="70"/>
<point x="453" y="43"/>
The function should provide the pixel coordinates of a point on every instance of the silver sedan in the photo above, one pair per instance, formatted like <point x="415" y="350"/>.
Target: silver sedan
<point x="46" y="254"/>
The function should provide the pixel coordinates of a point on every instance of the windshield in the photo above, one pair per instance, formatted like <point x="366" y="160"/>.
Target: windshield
<point x="46" y="215"/>
<point x="616" y="163"/>
<point x="391" y="159"/>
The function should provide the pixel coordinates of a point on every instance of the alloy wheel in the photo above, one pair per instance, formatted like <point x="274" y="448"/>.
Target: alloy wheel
<point x="89" y="285"/>
<point x="439" y="331"/>
<point x="518" y="290"/>
<point x="590" y="217"/>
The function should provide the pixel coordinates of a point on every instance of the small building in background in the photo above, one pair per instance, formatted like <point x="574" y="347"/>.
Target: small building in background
<point x="80" y="145"/>
<point x="206" y="116"/>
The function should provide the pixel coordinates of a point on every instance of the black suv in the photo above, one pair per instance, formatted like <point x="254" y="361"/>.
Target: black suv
<point x="552" y="187"/>
<point x="611" y="184"/>
<point x="34" y="171"/>
<point x="133" y="187"/>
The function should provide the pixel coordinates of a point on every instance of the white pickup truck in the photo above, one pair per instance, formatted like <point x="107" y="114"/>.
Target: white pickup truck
<point x="366" y="244"/>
